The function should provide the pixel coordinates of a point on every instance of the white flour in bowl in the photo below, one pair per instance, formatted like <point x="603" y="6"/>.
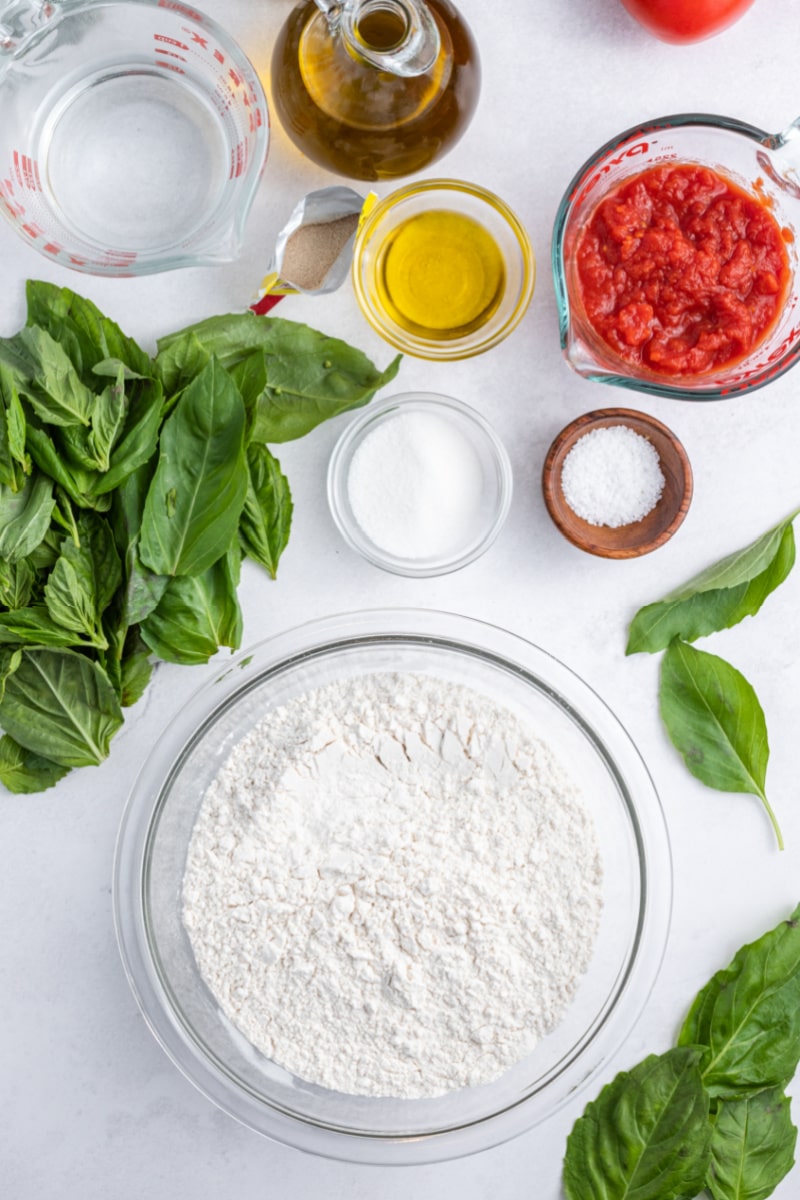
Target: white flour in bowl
<point x="392" y="887"/>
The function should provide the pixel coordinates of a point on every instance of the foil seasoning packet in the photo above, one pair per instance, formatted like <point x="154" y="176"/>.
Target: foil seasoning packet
<point x="314" y="250"/>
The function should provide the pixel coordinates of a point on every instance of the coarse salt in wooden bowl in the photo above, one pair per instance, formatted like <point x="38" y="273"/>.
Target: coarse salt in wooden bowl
<point x="638" y="537"/>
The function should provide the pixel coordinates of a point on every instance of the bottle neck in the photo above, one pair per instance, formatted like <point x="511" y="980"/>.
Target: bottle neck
<point x="398" y="36"/>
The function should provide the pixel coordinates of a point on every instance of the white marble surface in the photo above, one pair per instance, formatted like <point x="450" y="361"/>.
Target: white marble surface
<point x="91" y="1106"/>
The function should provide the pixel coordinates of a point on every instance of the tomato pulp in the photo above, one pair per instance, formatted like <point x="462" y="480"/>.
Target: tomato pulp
<point x="680" y="271"/>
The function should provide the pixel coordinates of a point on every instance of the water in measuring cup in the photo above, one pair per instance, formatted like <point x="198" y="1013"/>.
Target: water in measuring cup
<point x="134" y="160"/>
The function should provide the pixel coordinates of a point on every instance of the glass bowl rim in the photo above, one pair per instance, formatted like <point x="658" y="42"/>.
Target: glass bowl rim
<point x="444" y="351"/>
<point x="645" y="385"/>
<point x="341" y="456"/>
<point x="298" y="644"/>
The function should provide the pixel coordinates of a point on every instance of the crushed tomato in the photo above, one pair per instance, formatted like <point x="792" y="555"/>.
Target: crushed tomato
<point x="681" y="271"/>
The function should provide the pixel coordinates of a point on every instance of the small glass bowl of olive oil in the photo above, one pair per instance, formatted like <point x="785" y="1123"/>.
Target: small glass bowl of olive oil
<point x="443" y="269"/>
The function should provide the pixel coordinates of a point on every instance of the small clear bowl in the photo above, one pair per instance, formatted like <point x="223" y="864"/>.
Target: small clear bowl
<point x="494" y="502"/>
<point x="162" y="809"/>
<point x="466" y="199"/>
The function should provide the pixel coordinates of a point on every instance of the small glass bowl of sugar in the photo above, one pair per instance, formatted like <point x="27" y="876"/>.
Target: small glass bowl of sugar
<point x="419" y="484"/>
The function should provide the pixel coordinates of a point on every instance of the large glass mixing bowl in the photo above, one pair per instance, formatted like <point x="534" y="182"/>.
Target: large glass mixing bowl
<point x="161" y="811"/>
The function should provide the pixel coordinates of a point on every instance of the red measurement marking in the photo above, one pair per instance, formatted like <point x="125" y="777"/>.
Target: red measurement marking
<point x="33" y="231"/>
<point x="219" y="56"/>
<point x="77" y="262"/>
<point x="52" y="248"/>
<point x="234" y="77"/>
<point x="27" y="172"/>
<point x="162" y="37"/>
<point x="200" y="41"/>
<point x="170" y="54"/>
<point x="181" y="8"/>
<point x="170" y="66"/>
<point x="588" y="181"/>
<point x="238" y="160"/>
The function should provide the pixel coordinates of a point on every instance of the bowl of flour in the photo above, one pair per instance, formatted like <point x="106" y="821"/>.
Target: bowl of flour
<point x="392" y="888"/>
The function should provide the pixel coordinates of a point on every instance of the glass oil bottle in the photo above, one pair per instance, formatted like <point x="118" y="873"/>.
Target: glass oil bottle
<point x="375" y="89"/>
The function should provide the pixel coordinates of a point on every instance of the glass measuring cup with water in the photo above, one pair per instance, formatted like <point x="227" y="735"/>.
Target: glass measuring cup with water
<point x="133" y="137"/>
<point x="765" y="165"/>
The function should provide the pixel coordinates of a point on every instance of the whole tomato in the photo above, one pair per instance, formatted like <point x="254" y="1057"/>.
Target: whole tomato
<point x="686" y="20"/>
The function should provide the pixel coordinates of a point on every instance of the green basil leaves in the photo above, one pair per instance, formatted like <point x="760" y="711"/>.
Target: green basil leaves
<point x="710" y="1113"/>
<point x="646" y="1135"/>
<point x="130" y="490"/>
<point x="711" y="713"/>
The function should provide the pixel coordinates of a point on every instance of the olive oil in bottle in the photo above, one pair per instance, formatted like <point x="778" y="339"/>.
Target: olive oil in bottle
<point x="375" y="89"/>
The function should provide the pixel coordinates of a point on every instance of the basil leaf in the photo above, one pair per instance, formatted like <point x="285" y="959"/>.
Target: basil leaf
<point x="310" y="377"/>
<point x="16" y="583"/>
<point x="108" y="416"/>
<point x="714" y="719"/>
<point x="85" y="332"/>
<point x="143" y="589"/>
<point x="250" y="377"/>
<point x="60" y="704"/>
<point x="197" y="614"/>
<point x="647" y="1134"/>
<point x="137" y="669"/>
<point x="137" y="443"/>
<point x="192" y="509"/>
<point x="719" y="597"/>
<point x="25" y="517"/>
<point x="17" y="364"/>
<point x="34" y="626"/>
<point x="752" y="1146"/>
<point x="64" y="514"/>
<point x="312" y="383"/>
<point x="84" y="579"/>
<point x="748" y="1015"/>
<point x="55" y="393"/>
<point x="113" y="367"/>
<point x="21" y="771"/>
<point x="267" y="514"/>
<point x="77" y="483"/>
<point x="178" y="365"/>
<point x="15" y="462"/>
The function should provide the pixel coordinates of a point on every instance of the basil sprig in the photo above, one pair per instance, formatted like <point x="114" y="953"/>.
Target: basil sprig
<point x="712" y="1112"/>
<point x="711" y="713"/>
<point x="130" y="490"/>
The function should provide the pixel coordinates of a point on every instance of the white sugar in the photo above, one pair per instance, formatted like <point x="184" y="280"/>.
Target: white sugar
<point x="415" y="486"/>
<point x="612" y="476"/>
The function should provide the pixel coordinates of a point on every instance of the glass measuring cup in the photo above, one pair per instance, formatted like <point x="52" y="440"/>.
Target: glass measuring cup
<point x="133" y="137"/>
<point x="764" y="165"/>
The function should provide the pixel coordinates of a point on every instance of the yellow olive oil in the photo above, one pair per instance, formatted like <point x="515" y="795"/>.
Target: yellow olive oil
<point x="440" y="275"/>
<point x="366" y="123"/>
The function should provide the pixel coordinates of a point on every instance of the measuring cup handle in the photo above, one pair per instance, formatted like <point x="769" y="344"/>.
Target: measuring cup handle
<point x="780" y="159"/>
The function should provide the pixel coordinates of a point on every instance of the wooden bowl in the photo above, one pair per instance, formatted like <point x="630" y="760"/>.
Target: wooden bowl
<point x="640" y="537"/>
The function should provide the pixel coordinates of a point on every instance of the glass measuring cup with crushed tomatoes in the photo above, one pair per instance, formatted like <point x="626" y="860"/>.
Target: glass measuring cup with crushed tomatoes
<point x="680" y="271"/>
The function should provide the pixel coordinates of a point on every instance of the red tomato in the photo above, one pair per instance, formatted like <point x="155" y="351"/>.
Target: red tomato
<point x="686" y="20"/>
